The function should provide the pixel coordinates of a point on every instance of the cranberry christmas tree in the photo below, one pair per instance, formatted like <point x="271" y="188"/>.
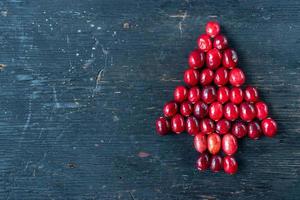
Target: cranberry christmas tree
<point x="214" y="107"/>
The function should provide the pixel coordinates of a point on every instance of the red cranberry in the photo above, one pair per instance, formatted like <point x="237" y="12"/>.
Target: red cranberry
<point x="261" y="110"/>
<point x="170" y="109"/>
<point x="207" y="126"/>
<point x="223" y="126"/>
<point x="230" y="165"/>
<point x="269" y="127"/>
<point x="254" y="130"/>
<point x="200" y="109"/>
<point x="216" y="163"/>
<point x="196" y="59"/>
<point x="215" y="111"/>
<point x="191" y="77"/>
<point x="200" y="142"/>
<point x="203" y="162"/>
<point x="221" y="76"/>
<point x="208" y="94"/>
<point x="236" y="77"/>
<point x="213" y="143"/>
<point x="251" y="94"/>
<point x="236" y="95"/>
<point x="213" y="59"/>
<point x="206" y="76"/>
<point x="220" y="42"/>
<point x="194" y="94"/>
<point x="231" y="111"/>
<point x="239" y="129"/>
<point x="223" y="94"/>
<point x="162" y="126"/>
<point x="212" y="29"/>
<point x="229" y="144"/>
<point x="186" y="108"/>
<point x="247" y="111"/>
<point x="230" y="58"/>
<point x="178" y="124"/>
<point x="191" y="125"/>
<point x="204" y="43"/>
<point x="180" y="94"/>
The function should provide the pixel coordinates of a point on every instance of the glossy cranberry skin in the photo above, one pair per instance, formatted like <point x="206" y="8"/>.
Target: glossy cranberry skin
<point x="203" y="162"/>
<point x="220" y="42"/>
<point x="170" y="109"/>
<point x="229" y="144"/>
<point x="200" y="109"/>
<point x="231" y="111"/>
<point x="236" y="77"/>
<point x="236" y="95"/>
<point x="213" y="59"/>
<point x="194" y="94"/>
<point x="230" y="58"/>
<point x="191" y="125"/>
<point x="206" y="76"/>
<point x="204" y="43"/>
<point x="196" y="59"/>
<point x="180" y="94"/>
<point x="207" y="126"/>
<point x="261" y="110"/>
<point x="212" y="28"/>
<point x="269" y="127"/>
<point x="230" y="165"/>
<point x="178" y="124"/>
<point x="186" y="108"/>
<point x="254" y="130"/>
<point x="162" y="126"/>
<point x="223" y="126"/>
<point x="223" y="94"/>
<point x="221" y="76"/>
<point x="239" y="129"/>
<point x="191" y="77"/>
<point x="200" y="142"/>
<point x="213" y="143"/>
<point x="209" y="94"/>
<point x="251" y="94"/>
<point x="215" y="111"/>
<point x="247" y="111"/>
<point x="216" y="163"/>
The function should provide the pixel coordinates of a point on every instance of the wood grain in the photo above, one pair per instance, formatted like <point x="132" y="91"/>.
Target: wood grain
<point x="85" y="80"/>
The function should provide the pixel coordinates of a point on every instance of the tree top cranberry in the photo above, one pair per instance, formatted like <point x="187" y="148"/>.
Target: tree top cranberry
<point x="212" y="28"/>
<point x="191" y="77"/>
<point x="251" y="94"/>
<point x="269" y="127"/>
<point x="196" y="59"/>
<point x="236" y="77"/>
<point x="230" y="58"/>
<point x="180" y="94"/>
<point x="220" y="42"/>
<point x="170" y="109"/>
<point x="213" y="59"/>
<point x="162" y="126"/>
<point x="204" y="42"/>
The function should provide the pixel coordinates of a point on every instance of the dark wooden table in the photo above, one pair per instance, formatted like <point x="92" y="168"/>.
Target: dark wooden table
<point x="84" y="82"/>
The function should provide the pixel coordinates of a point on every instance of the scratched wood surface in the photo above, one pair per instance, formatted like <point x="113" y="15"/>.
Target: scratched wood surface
<point x="84" y="82"/>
